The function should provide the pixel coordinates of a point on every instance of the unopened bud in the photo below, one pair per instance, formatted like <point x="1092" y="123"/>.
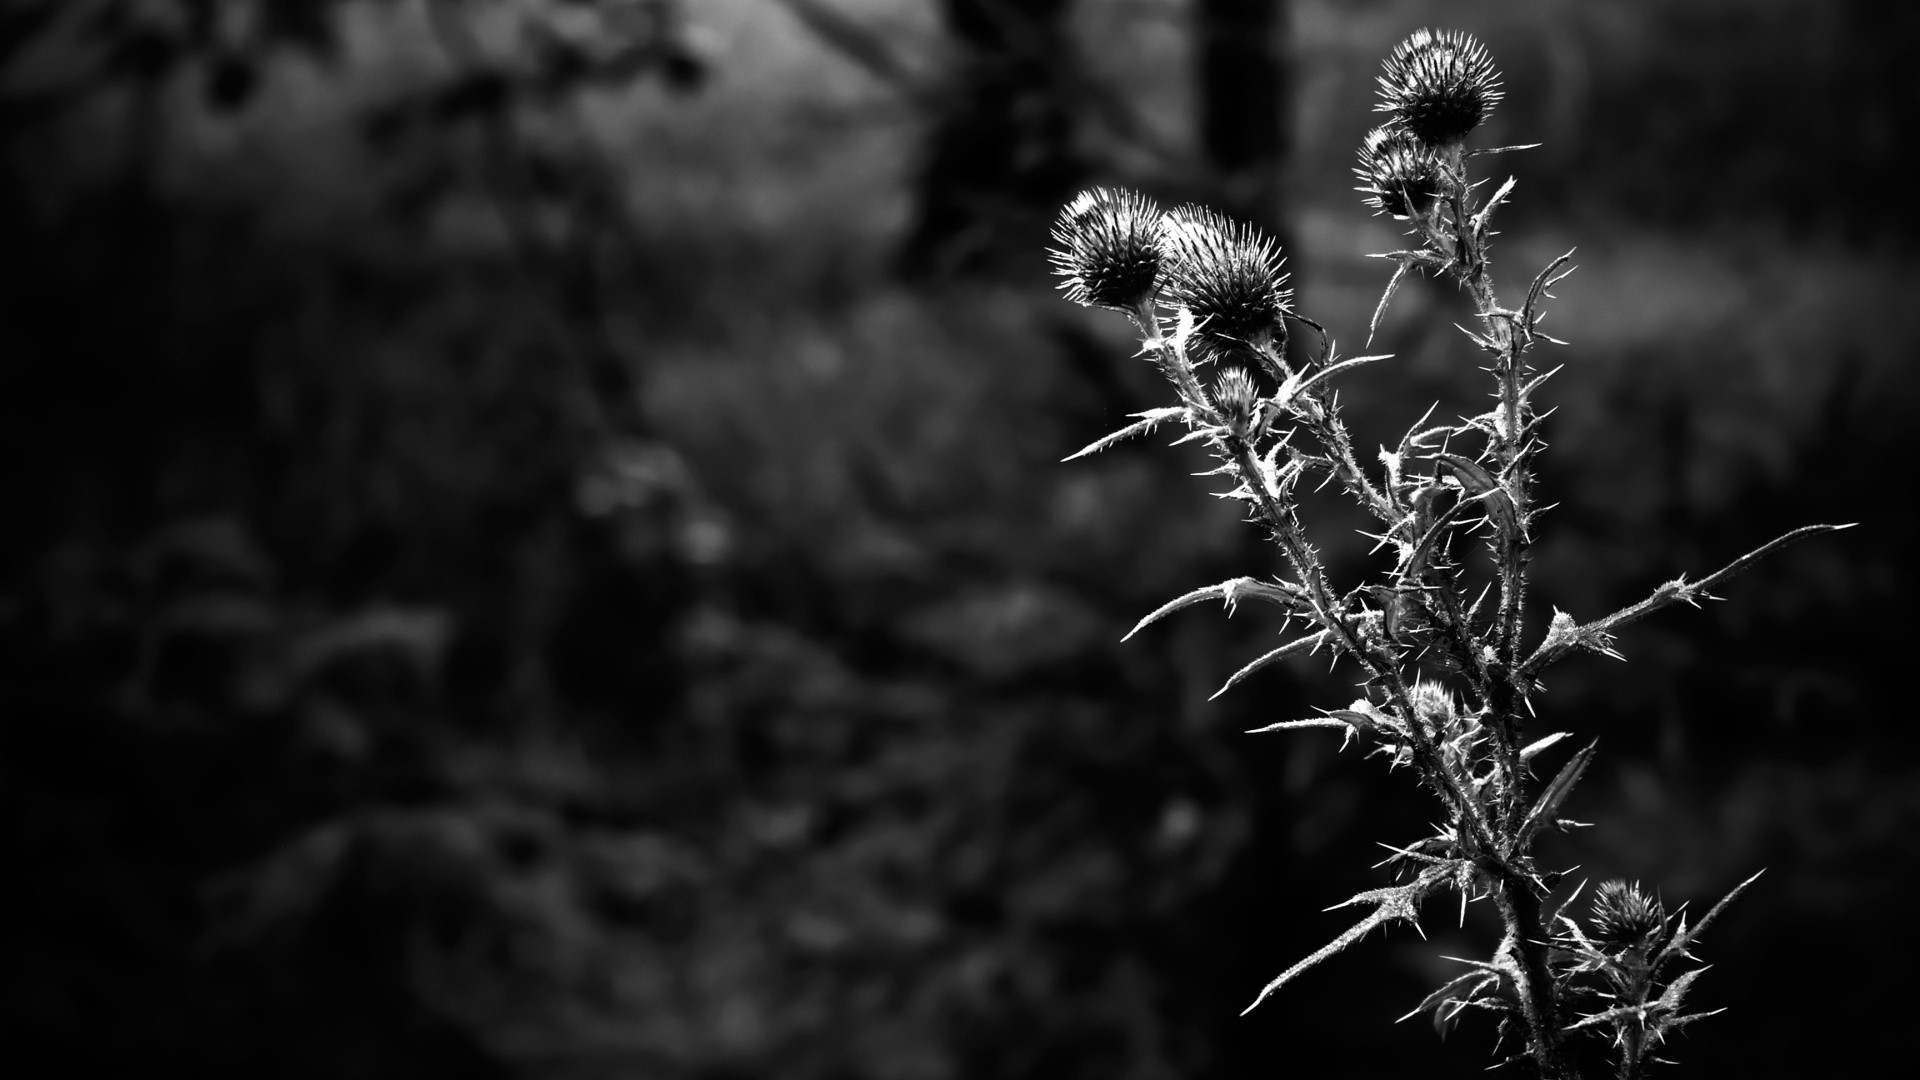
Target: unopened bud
<point x="1432" y="703"/>
<point x="1399" y="174"/>
<point x="1239" y="401"/>
<point x="1624" y="916"/>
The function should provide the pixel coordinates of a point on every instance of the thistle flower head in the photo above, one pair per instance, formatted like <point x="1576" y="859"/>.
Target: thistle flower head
<point x="1439" y="85"/>
<point x="1228" y="275"/>
<point x="1624" y="916"/>
<point x="1109" y="249"/>
<point x="1399" y="174"/>
<point x="1239" y="400"/>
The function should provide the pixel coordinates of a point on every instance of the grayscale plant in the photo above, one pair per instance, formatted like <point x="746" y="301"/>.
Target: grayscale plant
<point x="1448" y="680"/>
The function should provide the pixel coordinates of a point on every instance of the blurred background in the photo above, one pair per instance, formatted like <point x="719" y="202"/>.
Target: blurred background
<point x="535" y="542"/>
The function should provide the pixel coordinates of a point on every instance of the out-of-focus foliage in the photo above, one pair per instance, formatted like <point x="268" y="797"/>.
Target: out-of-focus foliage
<point x="498" y="581"/>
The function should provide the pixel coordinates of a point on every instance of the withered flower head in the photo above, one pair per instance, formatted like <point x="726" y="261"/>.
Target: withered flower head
<point x="1439" y="85"/>
<point x="1109" y="249"/>
<point x="1228" y="275"/>
<point x="1399" y="174"/>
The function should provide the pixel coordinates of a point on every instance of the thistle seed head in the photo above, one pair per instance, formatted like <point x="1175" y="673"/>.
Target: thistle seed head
<point x="1439" y="85"/>
<point x="1228" y="275"/>
<point x="1110" y="249"/>
<point x="1399" y="174"/>
<point x="1624" y="916"/>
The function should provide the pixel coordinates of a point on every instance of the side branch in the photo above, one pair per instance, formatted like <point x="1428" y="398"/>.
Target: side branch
<point x="1597" y="636"/>
<point x="1399" y="903"/>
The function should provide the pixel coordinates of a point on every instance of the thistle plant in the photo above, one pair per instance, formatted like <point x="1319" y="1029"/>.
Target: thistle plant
<point x="1448" y="671"/>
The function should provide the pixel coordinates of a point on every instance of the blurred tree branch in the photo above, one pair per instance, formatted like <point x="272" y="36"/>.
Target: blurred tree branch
<point x="865" y="48"/>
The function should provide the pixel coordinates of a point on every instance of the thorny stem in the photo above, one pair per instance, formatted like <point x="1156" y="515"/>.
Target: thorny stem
<point x="1513" y="422"/>
<point x="1519" y="908"/>
<point x="1518" y="903"/>
<point x="1597" y="635"/>
<point x="1507" y="335"/>
<point x="1173" y="367"/>
<point x="1332" y="435"/>
<point x="1323" y="419"/>
<point x="1633" y="1038"/>
<point x="1280" y="518"/>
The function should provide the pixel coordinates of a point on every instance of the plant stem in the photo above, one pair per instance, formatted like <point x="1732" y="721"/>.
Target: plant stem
<point x="1509" y="444"/>
<point x="1527" y="938"/>
<point x="1632" y="1044"/>
<point x="1510" y="440"/>
<point x="1278" y="515"/>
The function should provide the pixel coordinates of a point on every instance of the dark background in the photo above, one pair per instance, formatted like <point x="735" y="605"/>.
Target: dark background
<point x="535" y="545"/>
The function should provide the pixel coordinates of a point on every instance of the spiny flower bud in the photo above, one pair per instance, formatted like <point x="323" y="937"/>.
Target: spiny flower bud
<point x="1239" y="401"/>
<point x="1439" y="85"/>
<point x="1110" y="249"/>
<point x="1623" y="916"/>
<point x="1228" y="275"/>
<point x="1399" y="174"/>
<point x="1432" y="703"/>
